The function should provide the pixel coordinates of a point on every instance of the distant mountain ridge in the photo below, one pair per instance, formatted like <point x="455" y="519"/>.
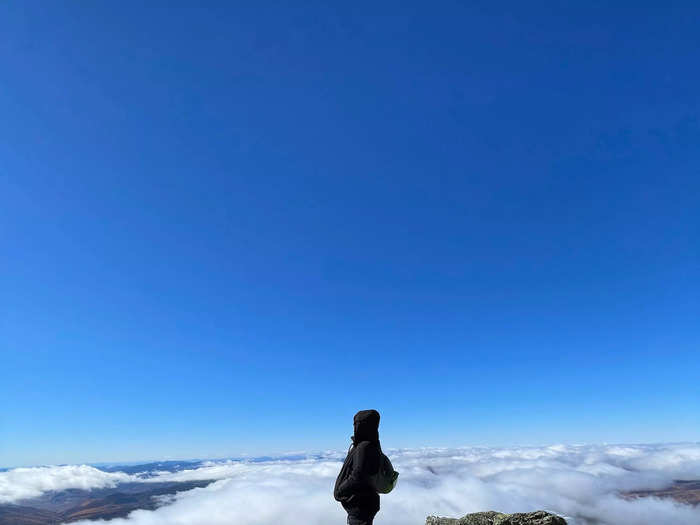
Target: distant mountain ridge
<point x="151" y="468"/>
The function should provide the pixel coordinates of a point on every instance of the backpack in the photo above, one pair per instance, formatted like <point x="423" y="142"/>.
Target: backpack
<point x="384" y="480"/>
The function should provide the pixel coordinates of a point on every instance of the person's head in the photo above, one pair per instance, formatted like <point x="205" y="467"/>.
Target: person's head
<point x="366" y="426"/>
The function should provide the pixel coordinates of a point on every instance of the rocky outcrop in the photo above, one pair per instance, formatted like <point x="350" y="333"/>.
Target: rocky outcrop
<point x="539" y="517"/>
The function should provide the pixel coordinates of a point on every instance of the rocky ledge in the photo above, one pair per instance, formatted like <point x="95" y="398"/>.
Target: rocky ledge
<point x="539" y="517"/>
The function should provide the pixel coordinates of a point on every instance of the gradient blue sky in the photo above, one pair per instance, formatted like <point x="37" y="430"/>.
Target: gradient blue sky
<point x="226" y="229"/>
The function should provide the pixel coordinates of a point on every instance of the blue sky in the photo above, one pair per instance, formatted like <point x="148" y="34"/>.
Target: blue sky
<point x="226" y="229"/>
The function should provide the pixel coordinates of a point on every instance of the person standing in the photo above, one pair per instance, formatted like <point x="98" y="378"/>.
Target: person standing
<point x="353" y="487"/>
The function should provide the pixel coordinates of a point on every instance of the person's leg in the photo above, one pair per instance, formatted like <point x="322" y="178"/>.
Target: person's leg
<point x="360" y="520"/>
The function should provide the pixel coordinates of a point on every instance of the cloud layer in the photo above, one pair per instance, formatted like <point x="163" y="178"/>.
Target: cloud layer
<point x="579" y="482"/>
<point x="23" y="483"/>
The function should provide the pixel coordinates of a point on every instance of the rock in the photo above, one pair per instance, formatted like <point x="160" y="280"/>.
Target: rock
<point x="539" y="517"/>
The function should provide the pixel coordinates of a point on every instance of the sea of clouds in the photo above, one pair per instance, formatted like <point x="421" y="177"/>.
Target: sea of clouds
<point x="582" y="483"/>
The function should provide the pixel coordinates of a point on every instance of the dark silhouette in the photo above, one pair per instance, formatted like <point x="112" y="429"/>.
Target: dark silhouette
<point x="353" y="488"/>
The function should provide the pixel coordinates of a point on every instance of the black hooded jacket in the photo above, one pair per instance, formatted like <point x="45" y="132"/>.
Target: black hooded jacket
<point x="352" y="487"/>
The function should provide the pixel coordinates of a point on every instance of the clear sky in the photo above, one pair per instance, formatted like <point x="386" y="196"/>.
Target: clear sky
<point x="225" y="229"/>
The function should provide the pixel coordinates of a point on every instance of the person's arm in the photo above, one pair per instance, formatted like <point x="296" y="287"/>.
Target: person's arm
<point x="359" y="476"/>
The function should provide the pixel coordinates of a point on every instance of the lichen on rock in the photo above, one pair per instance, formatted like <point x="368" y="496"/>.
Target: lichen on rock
<point x="539" y="517"/>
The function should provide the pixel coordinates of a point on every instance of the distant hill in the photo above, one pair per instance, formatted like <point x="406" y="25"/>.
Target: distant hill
<point x="683" y="491"/>
<point x="77" y="504"/>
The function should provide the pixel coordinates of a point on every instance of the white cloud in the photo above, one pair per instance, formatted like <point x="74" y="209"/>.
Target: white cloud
<point x="21" y="483"/>
<point x="579" y="482"/>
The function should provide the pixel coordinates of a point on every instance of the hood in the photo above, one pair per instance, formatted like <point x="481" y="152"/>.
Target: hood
<point x="366" y="423"/>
